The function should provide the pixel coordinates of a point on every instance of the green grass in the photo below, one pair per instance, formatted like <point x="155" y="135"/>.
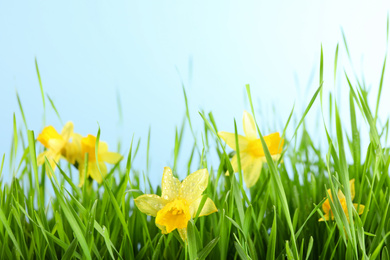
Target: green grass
<point x="275" y="219"/>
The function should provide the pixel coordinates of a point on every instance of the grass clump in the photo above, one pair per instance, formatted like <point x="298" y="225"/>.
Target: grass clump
<point x="276" y="218"/>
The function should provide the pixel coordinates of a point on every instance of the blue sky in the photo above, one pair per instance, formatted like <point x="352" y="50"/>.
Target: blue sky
<point x="91" y="52"/>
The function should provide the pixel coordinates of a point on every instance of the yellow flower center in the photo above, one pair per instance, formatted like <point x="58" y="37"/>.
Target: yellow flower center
<point x="175" y="214"/>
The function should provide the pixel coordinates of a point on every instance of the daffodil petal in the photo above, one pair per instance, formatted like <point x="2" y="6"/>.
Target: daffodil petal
<point x="81" y="175"/>
<point x="56" y="145"/>
<point x="103" y="147"/>
<point x="94" y="171"/>
<point x="340" y="195"/>
<point x="103" y="170"/>
<point x="67" y="131"/>
<point x="208" y="208"/>
<point x="41" y="157"/>
<point x="230" y="140"/>
<point x="326" y="218"/>
<point x="352" y="188"/>
<point x="52" y="157"/>
<point x="54" y="160"/>
<point x="249" y="126"/>
<point x="245" y="159"/>
<point x="170" y="185"/>
<point x="183" y="233"/>
<point x="150" y="204"/>
<point x="111" y="157"/>
<point x="252" y="172"/>
<point x="359" y="209"/>
<point x="162" y="228"/>
<point x="326" y="205"/>
<point x="193" y="186"/>
<point x="233" y="162"/>
<point x="76" y="138"/>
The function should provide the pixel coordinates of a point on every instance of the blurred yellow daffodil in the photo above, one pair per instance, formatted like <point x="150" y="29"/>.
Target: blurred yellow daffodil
<point x="251" y="150"/>
<point x="326" y="205"/>
<point x="178" y="203"/>
<point x="87" y="145"/>
<point x="55" y="143"/>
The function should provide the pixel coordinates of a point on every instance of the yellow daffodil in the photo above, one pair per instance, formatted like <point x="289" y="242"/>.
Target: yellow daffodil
<point x="55" y="143"/>
<point x="326" y="205"/>
<point x="87" y="145"/>
<point x="178" y="203"/>
<point x="251" y="150"/>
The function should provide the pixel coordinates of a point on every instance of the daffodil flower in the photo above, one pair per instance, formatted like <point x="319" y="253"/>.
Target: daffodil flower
<point x="178" y="203"/>
<point x="326" y="205"/>
<point x="87" y="145"/>
<point x="55" y="143"/>
<point x="252" y="154"/>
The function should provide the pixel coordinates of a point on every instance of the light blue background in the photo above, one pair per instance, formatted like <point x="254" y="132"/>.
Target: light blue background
<point x="90" y="51"/>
